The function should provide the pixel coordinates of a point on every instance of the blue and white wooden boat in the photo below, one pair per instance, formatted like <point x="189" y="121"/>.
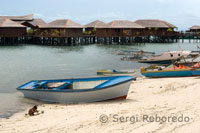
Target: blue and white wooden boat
<point x="78" y="90"/>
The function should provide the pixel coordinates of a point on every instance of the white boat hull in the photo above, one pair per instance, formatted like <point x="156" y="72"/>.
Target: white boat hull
<point x="113" y="92"/>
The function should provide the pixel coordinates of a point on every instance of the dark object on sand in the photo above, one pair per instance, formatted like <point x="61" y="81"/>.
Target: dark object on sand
<point x="32" y="111"/>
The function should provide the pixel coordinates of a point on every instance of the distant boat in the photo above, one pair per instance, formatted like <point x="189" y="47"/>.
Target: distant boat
<point x="135" y="52"/>
<point x="78" y="90"/>
<point x="166" y="57"/>
<point x="135" y="57"/>
<point x="114" y="72"/>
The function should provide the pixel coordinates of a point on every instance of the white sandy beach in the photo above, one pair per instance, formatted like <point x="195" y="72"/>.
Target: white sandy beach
<point x="172" y="99"/>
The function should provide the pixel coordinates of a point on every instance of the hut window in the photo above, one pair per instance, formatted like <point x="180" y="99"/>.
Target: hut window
<point x="179" y="54"/>
<point x="171" y="55"/>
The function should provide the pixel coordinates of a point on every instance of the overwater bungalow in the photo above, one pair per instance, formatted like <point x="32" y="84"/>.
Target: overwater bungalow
<point x="124" y="28"/>
<point x="34" y="24"/>
<point x="61" y="28"/>
<point x="123" y="31"/>
<point x="60" y="32"/>
<point x="195" y="29"/>
<point x="157" y="27"/>
<point x="11" y="32"/>
<point x="19" y="19"/>
<point x="193" y="33"/>
<point x="96" y="28"/>
<point x="9" y="28"/>
<point x="158" y="30"/>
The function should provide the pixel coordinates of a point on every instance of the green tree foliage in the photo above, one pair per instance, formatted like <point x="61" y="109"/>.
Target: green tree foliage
<point x="149" y="28"/>
<point x="87" y="32"/>
<point x="170" y="30"/>
<point x="30" y="31"/>
<point x="94" y="29"/>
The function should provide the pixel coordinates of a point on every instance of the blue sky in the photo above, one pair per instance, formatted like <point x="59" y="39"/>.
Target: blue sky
<point x="182" y="13"/>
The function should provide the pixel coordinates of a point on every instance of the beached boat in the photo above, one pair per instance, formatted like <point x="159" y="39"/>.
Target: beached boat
<point x="166" y="73"/>
<point x="177" y="70"/>
<point x="166" y="57"/>
<point x="114" y="72"/>
<point x="78" y="90"/>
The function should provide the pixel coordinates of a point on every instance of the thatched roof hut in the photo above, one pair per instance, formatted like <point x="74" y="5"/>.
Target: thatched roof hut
<point x="155" y="27"/>
<point x="124" y="28"/>
<point x="35" y="23"/>
<point x="124" y="24"/>
<point x="195" y="30"/>
<point x="62" y="23"/>
<point x="18" y="18"/>
<point x="8" y="23"/>
<point x="97" y="24"/>
<point x="195" y="27"/>
<point x="96" y="28"/>
<point x="9" y="28"/>
<point x="61" y="28"/>
<point x="154" y="23"/>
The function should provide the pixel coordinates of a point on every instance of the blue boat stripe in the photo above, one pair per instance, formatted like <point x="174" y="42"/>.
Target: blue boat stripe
<point x="78" y="90"/>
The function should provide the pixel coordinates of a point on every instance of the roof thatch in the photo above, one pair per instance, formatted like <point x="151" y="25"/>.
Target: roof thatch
<point x="97" y="24"/>
<point x="154" y="23"/>
<point x="19" y="18"/>
<point x="62" y="23"/>
<point x="37" y="22"/>
<point x="195" y="27"/>
<point x="124" y="24"/>
<point x="9" y="23"/>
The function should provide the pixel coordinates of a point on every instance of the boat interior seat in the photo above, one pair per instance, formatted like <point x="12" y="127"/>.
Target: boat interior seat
<point x="65" y="85"/>
<point x="40" y="84"/>
<point x="53" y="85"/>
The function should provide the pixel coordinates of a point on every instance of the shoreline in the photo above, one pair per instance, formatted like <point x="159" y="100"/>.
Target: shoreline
<point x="175" y="98"/>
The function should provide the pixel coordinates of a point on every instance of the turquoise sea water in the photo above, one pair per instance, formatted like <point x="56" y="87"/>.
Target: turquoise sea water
<point x="20" y="64"/>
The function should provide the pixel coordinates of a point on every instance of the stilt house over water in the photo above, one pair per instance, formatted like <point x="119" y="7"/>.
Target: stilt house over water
<point x="35" y="23"/>
<point x="124" y="28"/>
<point x="154" y="27"/>
<point x="61" y="28"/>
<point x="195" y="30"/>
<point x="9" y="28"/>
<point x="19" y="19"/>
<point x="97" y="28"/>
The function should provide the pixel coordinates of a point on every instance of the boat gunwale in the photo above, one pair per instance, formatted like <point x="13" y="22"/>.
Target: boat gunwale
<point x="150" y="60"/>
<point x="76" y="90"/>
<point x="177" y="70"/>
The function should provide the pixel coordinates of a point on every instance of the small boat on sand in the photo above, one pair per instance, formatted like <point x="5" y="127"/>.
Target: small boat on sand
<point x="178" y="70"/>
<point x="78" y="90"/>
<point x="114" y="72"/>
<point x="159" y="73"/>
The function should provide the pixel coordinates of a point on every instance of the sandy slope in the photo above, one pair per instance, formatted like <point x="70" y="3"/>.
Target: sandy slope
<point x="170" y="98"/>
